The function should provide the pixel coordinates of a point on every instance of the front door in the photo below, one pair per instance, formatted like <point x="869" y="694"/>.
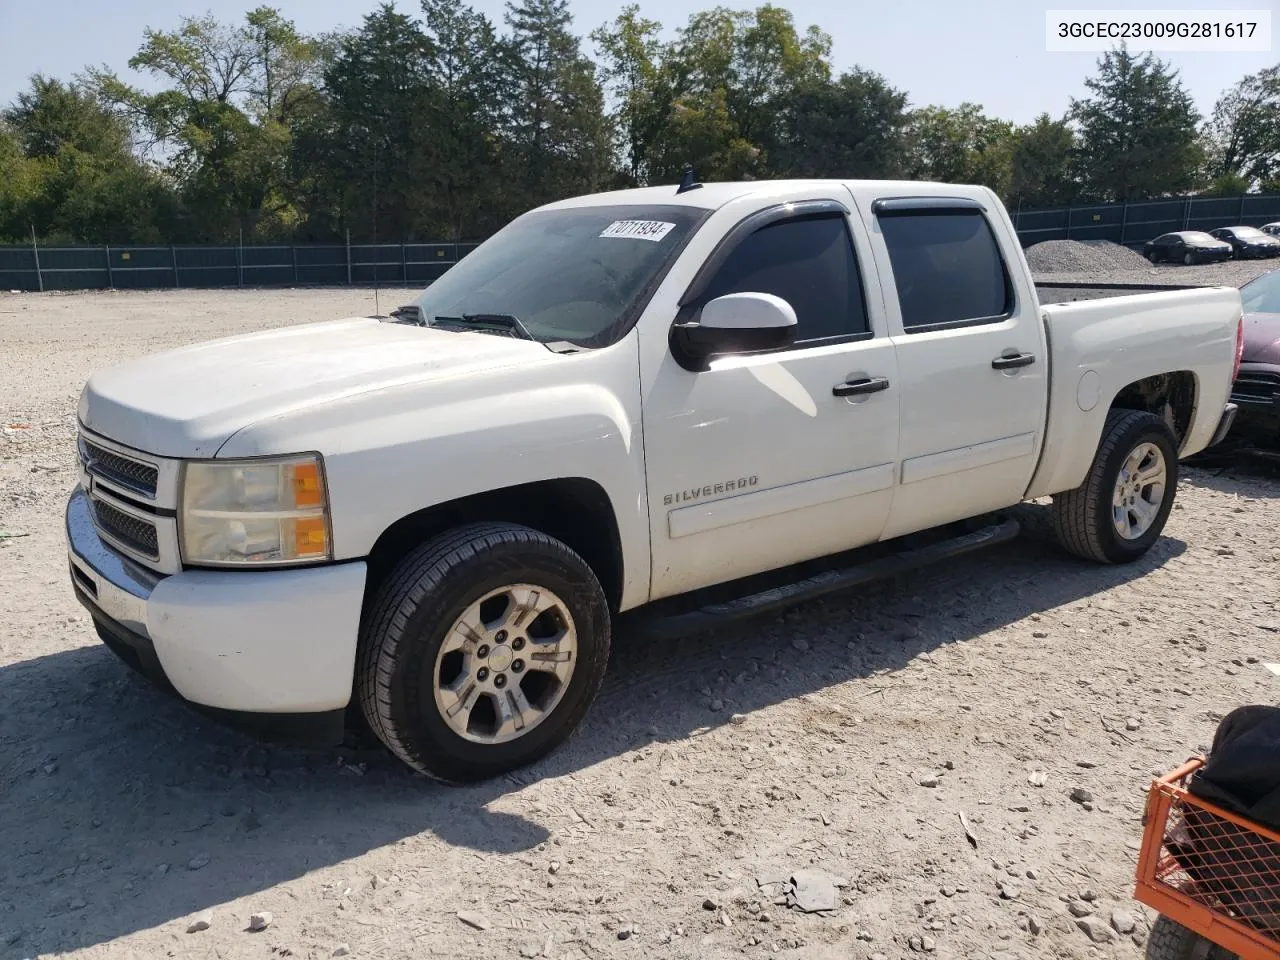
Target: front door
<point x="768" y="459"/>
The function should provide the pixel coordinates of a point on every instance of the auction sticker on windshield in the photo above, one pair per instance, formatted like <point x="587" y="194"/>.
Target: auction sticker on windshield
<point x="653" y="230"/>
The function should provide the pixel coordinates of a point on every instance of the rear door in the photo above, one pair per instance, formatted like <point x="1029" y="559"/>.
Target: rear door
<point x="971" y="355"/>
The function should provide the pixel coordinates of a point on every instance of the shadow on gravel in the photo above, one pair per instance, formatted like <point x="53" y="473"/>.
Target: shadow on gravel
<point x="110" y="793"/>
<point x="1249" y="472"/>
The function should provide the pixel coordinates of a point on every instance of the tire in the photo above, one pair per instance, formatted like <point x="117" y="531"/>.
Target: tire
<point x="1084" y="516"/>
<point x="1170" y="940"/>
<point x="1153" y="257"/>
<point x="1189" y="258"/>
<point x="402" y="657"/>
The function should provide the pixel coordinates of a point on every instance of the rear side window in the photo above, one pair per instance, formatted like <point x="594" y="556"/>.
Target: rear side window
<point x="807" y="262"/>
<point x="947" y="268"/>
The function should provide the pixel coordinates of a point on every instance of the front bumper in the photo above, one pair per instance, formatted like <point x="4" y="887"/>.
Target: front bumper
<point x="267" y="648"/>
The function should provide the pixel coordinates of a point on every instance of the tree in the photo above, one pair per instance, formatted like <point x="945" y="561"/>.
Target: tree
<point x="729" y="78"/>
<point x="629" y="51"/>
<point x="355" y="153"/>
<point x="68" y="168"/>
<point x="454" y="144"/>
<point x="852" y="127"/>
<point x="224" y="118"/>
<point x="1042" y="164"/>
<point x="961" y="145"/>
<point x="1138" y="132"/>
<point x="21" y="179"/>
<point x="556" y="122"/>
<point x="1244" y="133"/>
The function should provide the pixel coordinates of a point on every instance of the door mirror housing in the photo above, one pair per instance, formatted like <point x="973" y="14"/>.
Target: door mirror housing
<point x="732" y="324"/>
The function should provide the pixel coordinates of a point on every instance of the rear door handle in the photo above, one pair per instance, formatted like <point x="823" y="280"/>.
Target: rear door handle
<point x="853" y="388"/>
<point x="1010" y="363"/>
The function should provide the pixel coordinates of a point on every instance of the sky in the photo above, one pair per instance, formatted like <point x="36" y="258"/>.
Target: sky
<point x="990" y="52"/>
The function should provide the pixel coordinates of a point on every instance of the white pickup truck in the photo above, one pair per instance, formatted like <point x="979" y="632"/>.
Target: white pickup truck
<point x="700" y="401"/>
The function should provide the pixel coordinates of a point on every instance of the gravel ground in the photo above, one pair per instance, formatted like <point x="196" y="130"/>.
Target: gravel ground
<point x="845" y="736"/>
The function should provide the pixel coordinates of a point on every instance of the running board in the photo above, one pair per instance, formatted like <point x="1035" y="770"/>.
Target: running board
<point x="651" y="622"/>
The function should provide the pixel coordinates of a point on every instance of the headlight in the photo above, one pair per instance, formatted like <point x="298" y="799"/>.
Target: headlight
<point x="255" y="512"/>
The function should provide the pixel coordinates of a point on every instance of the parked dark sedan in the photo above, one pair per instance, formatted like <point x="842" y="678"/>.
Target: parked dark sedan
<point x="1186" y="246"/>
<point x="1249" y="242"/>
<point x="1257" y="386"/>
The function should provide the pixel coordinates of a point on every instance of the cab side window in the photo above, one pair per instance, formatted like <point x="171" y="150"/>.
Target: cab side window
<point x="947" y="268"/>
<point x="810" y="263"/>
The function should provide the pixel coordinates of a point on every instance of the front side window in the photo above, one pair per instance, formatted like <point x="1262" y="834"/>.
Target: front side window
<point x="947" y="268"/>
<point x="580" y="275"/>
<point x="808" y="262"/>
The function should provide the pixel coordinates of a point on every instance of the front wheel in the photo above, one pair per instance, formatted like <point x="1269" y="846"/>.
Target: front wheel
<point x="482" y="651"/>
<point x="1189" y="258"/>
<point x="1121" y="508"/>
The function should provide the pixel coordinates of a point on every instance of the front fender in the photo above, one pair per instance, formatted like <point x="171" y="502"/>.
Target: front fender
<point x="391" y="453"/>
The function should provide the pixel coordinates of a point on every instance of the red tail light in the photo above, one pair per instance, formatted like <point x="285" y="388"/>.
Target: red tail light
<point x="1235" y="370"/>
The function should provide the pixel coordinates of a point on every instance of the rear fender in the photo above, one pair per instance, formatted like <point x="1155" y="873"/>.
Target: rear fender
<point x="1098" y="348"/>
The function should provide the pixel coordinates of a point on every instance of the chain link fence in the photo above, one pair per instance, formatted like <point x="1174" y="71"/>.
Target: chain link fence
<point x="1135" y="223"/>
<point x="37" y="267"/>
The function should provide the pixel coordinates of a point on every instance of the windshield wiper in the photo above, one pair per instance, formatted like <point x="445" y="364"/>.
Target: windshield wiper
<point x="490" y="322"/>
<point x="410" y="313"/>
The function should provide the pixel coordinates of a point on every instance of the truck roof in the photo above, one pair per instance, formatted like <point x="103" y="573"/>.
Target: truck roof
<point x="712" y="196"/>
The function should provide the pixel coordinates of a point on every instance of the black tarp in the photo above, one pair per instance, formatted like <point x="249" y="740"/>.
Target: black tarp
<point x="1242" y="773"/>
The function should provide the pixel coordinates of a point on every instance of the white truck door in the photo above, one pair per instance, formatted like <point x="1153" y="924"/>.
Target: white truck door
<point x="971" y="351"/>
<point x="772" y="458"/>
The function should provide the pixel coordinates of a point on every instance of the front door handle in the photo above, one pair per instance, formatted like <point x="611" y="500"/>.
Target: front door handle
<point x="1010" y="363"/>
<point x="853" y="388"/>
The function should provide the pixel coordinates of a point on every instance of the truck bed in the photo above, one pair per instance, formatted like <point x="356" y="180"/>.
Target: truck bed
<point x="1098" y="347"/>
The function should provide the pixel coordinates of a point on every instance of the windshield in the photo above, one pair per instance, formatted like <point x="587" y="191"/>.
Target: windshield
<point x="1248" y="232"/>
<point x="1199" y="237"/>
<point x="582" y="274"/>
<point x="1262" y="294"/>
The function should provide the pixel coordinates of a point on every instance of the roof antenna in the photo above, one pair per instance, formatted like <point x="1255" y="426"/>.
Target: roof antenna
<point x="689" y="181"/>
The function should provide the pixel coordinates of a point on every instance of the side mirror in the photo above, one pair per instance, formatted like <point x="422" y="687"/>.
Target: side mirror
<point x="734" y="323"/>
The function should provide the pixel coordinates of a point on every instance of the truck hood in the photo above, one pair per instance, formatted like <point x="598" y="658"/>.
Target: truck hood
<point x="1261" y="338"/>
<point x="188" y="402"/>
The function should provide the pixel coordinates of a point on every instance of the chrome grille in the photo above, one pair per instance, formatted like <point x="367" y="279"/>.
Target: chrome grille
<point x="131" y="532"/>
<point x="123" y="471"/>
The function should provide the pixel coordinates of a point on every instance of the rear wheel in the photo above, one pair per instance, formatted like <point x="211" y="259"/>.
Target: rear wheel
<point x="1153" y="257"/>
<point x="1172" y="941"/>
<point x="482" y="651"/>
<point x="1121" y="508"/>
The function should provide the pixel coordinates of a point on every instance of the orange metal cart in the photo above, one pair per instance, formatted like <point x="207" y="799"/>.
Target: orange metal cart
<point x="1210" y="871"/>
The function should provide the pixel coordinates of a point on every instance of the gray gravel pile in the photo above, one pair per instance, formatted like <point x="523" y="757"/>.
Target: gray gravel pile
<point x="1118" y="256"/>
<point x="1082" y="256"/>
